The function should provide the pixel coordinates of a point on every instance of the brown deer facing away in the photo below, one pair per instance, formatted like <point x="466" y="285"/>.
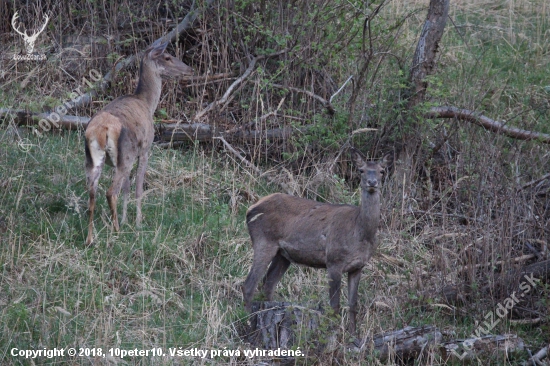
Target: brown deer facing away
<point x="123" y="131"/>
<point x="340" y="238"/>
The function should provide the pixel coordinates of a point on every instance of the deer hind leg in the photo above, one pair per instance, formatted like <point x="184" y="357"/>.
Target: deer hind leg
<point x="140" y="177"/>
<point x="275" y="272"/>
<point x="95" y="158"/>
<point x="112" y="195"/>
<point x="121" y="175"/>
<point x="122" y="154"/>
<point x="263" y="254"/>
<point x="125" y="192"/>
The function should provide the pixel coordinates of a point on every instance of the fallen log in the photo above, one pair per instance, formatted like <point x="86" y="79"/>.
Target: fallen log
<point x="282" y="325"/>
<point x="204" y="132"/>
<point x="537" y="358"/>
<point x="488" y="346"/>
<point x="164" y="133"/>
<point x="44" y="121"/>
<point x="404" y="344"/>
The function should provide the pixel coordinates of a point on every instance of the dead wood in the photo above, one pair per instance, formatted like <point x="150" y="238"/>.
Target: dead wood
<point x="53" y="119"/>
<point x="537" y="357"/>
<point x="169" y="133"/>
<point x="257" y="170"/>
<point x="488" y="123"/>
<point x="488" y="346"/>
<point x="166" y="133"/>
<point x="283" y="325"/>
<point x="200" y="115"/>
<point x="406" y="343"/>
<point x="323" y="101"/>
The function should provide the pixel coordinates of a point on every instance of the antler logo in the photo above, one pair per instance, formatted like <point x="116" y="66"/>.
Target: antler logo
<point x="29" y="40"/>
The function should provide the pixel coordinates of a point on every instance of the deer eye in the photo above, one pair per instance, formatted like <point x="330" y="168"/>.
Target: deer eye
<point x="167" y="58"/>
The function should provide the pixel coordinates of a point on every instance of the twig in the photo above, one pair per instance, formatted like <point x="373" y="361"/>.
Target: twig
<point x="236" y="83"/>
<point x="360" y="130"/>
<point x="257" y="170"/>
<point x="534" y="182"/>
<point x="522" y="258"/>
<point x="339" y="90"/>
<point x="207" y="79"/>
<point x="261" y="119"/>
<point x="490" y="124"/>
<point x="462" y="217"/>
<point x="540" y="355"/>
<point x="525" y="321"/>
<point x="323" y="101"/>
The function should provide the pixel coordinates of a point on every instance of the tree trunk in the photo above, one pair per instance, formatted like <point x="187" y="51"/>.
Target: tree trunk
<point x="428" y="44"/>
<point x="423" y="65"/>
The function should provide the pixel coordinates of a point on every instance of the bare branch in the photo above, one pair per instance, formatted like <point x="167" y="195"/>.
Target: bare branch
<point x="257" y="170"/>
<point x="323" y="101"/>
<point x="339" y="90"/>
<point x="534" y="182"/>
<point x="236" y="83"/>
<point x="490" y="124"/>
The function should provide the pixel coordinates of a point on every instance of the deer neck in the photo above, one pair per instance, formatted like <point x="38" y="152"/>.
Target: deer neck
<point x="149" y="87"/>
<point x="370" y="213"/>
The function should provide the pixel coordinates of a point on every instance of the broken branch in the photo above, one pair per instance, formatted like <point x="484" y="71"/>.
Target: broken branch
<point x="323" y="101"/>
<point x="490" y="124"/>
<point x="236" y="83"/>
<point x="257" y="170"/>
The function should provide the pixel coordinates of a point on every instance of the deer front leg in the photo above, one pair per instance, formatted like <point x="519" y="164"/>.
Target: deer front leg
<point x="353" y="288"/>
<point x="335" y="280"/>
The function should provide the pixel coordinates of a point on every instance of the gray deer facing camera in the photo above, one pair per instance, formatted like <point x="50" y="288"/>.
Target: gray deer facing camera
<point x="340" y="238"/>
<point x="123" y="131"/>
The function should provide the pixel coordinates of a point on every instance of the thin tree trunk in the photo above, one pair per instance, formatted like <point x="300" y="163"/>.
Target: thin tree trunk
<point x="423" y="65"/>
<point x="428" y="44"/>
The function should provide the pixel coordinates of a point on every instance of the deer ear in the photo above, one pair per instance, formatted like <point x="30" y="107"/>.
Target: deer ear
<point x="386" y="160"/>
<point x="156" y="49"/>
<point x="357" y="157"/>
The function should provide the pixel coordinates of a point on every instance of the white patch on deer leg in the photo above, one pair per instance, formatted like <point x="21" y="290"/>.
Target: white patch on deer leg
<point x="98" y="155"/>
<point x="112" y="150"/>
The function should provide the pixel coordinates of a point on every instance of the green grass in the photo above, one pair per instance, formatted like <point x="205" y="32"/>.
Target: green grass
<point x="151" y="286"/>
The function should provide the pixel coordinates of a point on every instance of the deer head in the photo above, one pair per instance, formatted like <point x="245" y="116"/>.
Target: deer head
<point x="29" y="40"/>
